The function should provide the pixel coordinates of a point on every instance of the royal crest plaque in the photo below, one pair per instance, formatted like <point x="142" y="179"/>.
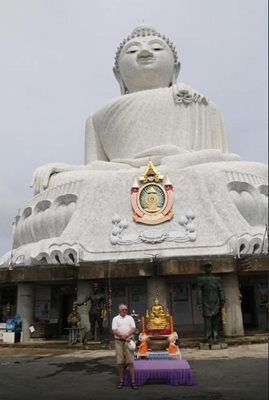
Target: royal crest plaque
<point x="152" y="197"/>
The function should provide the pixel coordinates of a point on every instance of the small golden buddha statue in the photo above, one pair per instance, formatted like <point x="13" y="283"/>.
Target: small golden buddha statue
<point x="157" y="318"/>
<point x="74" y="317"/>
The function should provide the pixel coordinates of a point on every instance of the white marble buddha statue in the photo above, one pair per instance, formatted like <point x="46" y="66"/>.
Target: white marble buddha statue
<point x="154" y="115"/>
<point x="72" y="218"/>
<point x="153" y="118"/>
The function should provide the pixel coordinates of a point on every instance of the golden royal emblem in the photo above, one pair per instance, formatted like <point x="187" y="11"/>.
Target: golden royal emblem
<point x="152" y="200"/>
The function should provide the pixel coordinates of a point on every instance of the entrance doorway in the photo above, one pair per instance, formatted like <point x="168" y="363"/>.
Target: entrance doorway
<point x="66" y="303"/>
<point x="248" y="306"/>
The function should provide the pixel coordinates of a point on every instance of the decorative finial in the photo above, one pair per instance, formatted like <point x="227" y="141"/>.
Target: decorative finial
<point x="151" y="174"/>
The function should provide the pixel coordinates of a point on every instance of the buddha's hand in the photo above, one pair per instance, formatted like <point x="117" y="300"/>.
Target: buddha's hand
<point x="41" y="176"/>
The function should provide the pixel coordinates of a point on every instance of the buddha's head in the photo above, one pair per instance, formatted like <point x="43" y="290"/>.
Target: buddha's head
<point x="156" y="302"/>
<point x="145" y="60"/>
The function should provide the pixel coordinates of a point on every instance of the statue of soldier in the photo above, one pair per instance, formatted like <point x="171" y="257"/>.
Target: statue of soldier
<point x="210" y="298"/>
<point x="96" y="311"/>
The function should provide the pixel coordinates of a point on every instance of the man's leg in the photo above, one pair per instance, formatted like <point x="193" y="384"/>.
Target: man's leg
<point x="121" y="372"/>
<point x="120" y="362"/>
<point x="132" y="372"/>
<point x="129" y="355"/>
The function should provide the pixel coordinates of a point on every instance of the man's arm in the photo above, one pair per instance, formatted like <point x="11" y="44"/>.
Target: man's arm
<point x="117" y="333"/>
<point x="115" y="330"/>
<point x="129" y="334"/>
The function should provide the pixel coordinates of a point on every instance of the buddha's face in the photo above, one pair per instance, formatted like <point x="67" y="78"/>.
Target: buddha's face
<point x="146" y="63"/>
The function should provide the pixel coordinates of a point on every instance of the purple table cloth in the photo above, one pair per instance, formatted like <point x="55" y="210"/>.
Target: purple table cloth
<point x="174" y="372"/>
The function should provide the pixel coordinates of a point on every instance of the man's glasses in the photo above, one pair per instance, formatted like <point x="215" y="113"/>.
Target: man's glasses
<point x="124" y="309"/>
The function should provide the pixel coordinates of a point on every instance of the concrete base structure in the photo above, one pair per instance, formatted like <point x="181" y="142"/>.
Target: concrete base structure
<point x="234" y="322"/>
<point x="25" y="307"/>
<point x="159" y="193"/>
<point x="174" y="280"/>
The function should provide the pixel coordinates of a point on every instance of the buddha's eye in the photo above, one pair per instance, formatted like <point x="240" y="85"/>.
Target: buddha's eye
<point x="132" y="49"/>
<point x="156" y="47"/>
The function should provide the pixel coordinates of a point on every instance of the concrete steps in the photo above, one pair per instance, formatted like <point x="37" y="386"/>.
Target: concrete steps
<point x="186" y="342"/>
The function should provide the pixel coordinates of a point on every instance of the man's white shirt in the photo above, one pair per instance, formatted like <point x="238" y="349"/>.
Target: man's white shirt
<point x="123" y="324"/>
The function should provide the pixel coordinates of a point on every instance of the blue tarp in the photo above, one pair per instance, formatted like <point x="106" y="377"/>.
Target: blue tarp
<point x="14" y="324"/>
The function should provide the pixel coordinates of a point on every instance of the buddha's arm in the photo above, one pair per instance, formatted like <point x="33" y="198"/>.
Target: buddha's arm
<point x="93" y="151"/>
<point x="216" y="133"/>
<point x="93" y="146"/>
<point x="41" y="176"/>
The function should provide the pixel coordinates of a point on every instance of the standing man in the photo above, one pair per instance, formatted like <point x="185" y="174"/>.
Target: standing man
<point x="123" y="327"/>
<point x="210" y="299"/>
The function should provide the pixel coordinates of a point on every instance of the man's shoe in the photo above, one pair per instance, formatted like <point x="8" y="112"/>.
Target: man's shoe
<point x="120" y="385"/>
<point x="134" y="386"/>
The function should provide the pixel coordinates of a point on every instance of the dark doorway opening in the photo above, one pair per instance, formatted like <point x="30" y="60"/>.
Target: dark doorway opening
<point x="66" y="307"/>
<point x="248" y="306"/>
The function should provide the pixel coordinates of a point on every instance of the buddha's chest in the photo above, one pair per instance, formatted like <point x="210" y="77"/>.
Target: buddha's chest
<point x="128" y="129"/>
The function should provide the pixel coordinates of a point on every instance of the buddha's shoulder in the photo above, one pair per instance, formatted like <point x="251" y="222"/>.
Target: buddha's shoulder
<point x="130" y="99"/>
<point x="110" y="105"/>
<point x="177" y="93"/>
<point x="183" y="92"/>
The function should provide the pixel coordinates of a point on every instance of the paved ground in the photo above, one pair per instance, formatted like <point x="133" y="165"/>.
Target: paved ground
<point x="236" y="373"/>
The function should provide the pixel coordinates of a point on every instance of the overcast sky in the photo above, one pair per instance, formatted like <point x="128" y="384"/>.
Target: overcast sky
<point x="56" y="69"/>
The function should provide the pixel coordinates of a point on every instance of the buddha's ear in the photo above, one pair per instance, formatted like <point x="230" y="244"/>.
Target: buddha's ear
<point x="176" y="72"/>
<point x="117" y="75"/>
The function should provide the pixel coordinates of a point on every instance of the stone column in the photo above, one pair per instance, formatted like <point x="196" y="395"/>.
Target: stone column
<point x="25" y="307"/>
<point x="156" y="286"/>
<point x="84" y="289"/>
<point x="234" y="321"/>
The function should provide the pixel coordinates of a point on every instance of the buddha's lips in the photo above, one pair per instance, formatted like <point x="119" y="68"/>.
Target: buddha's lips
<point x="145" y="59"/>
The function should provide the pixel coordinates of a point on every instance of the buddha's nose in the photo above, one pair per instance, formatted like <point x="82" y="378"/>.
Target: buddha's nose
<point x="145" y="52"/>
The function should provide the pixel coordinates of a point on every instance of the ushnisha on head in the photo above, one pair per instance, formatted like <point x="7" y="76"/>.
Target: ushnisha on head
<point x="145" y="60"/>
